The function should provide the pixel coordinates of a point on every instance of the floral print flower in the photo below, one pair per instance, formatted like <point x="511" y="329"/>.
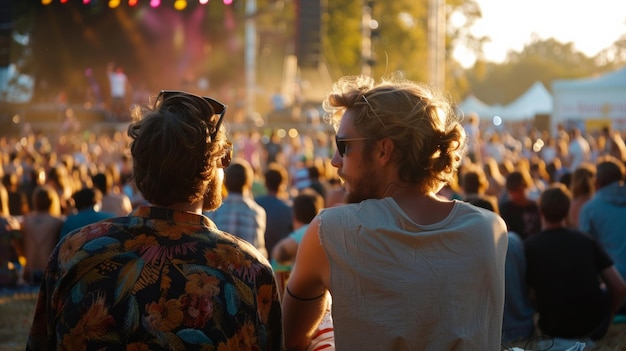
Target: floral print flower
<point x="164" y="315"/>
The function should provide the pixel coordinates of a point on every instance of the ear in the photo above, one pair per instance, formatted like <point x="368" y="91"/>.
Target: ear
<point x="385" y="150"/>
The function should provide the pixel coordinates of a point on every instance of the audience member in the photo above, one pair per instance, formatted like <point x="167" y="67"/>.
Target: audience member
<point x="165" y="277"/>
<point x="538" y="176"/>
<point x="604" y="216"/>
<point x="474" y="184"/>
<point x="306" y="206"/>
<point x="35" y="177"/>
<point x="117" y="203"/>
<point x="239" y="214"/>
<point x="336" y="193"/>
<point x="120" y="91"/>
<point x="518" y="322"/>
<point x="520" y="213"/>
<point x="472" y="132"/>
<point x="9" y="242"/>
<point x="495" y="179"/>
<point x="18" y="203"/>
<point x="41" y="229"/>
<point x="582" y="188"/>
<point x="273" y="148"/>
<point x="495" y="149"/>
<point x="579" y="150"/>
<point x="613" y="144"/>
<point x="86" y="210"/>
<point x="566" y="272"/>
<point x="279" y="215"/>
<point x="58" y="178"/>
<point x="383" y="255"/>
<point x="316" y="180"/>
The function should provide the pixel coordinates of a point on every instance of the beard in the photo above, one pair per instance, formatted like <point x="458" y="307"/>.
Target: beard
<point x="362" y="187"/>
<point x="212" y="195"/>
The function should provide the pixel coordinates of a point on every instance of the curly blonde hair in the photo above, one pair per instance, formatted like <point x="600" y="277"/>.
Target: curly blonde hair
<point x="428" y="136"/>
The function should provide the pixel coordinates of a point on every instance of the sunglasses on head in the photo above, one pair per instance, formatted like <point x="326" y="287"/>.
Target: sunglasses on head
<point x="341" y="144"/>
<point x="218" y="107"/>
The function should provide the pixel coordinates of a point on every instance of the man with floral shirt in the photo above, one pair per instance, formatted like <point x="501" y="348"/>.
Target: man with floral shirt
<point x="164" y="277"/>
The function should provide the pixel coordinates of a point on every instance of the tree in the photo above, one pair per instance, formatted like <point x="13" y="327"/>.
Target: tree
<point x="401" y="44"/>
<point x="614" y="56"/>
<point x="540" y="60"/>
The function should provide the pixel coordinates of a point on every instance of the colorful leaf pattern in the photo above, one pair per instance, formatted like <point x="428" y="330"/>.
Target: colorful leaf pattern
<point x="157" y="279"/>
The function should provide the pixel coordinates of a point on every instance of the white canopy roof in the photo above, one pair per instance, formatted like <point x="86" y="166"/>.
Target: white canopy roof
<point x="472" y="104"/>
<point x="599" y="99"/>
<point x="615" y="79"/>
<point x="536" y="100"/>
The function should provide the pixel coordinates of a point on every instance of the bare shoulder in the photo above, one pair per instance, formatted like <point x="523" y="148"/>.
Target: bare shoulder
<point x="311" y="260"/>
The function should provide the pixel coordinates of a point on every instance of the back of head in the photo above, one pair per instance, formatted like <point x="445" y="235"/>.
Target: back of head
<point x="173" y="153"/>
<point x="609" y="170"/>
<point x="45" y="199"/>
<point x="275" y="177"/>
<point x="516" y="181"/>
<point x="474" y="181"/>
<point x="86" y="198"/>
<point x="306" y="205"/>
<point x="314" y="172"/>
<point x="102" y="182"/>
<point x="238" y="176"/>
<point x="554" y="203"/>
<point x="581" y="182"/>
<point x="428" y="137"/>
<point x="574" y="132"/>
<point x="58" y="175"/>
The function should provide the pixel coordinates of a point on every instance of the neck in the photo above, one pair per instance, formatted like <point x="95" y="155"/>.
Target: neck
<point x="545" y="225"/>
<point x="186" y="207"/>
<point x="396" y="189"/>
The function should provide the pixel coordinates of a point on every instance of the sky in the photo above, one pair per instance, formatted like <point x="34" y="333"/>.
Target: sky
<point x="592" y="25"/>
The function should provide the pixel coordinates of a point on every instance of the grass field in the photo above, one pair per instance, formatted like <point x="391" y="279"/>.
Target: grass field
<point x="16" y="314"/>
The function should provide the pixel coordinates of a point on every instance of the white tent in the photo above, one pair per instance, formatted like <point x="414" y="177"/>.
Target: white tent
<point x="472" y="104"/>
<point x="591" y="102"/>
<point x="536" y="100"/>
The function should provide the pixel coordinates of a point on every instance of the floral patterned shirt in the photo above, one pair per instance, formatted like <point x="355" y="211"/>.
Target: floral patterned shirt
<point x="158" y="279"/>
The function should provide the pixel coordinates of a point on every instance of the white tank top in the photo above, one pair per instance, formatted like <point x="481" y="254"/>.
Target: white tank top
<point x="397" y="285"/>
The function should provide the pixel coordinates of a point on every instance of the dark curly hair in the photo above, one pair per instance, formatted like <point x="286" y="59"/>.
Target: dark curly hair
<point x="174" y="157"/>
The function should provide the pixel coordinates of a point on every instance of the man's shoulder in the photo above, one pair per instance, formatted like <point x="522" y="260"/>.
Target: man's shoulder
<point x="466" y="208"/>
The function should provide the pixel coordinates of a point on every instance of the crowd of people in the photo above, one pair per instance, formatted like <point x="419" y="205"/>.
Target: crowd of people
<point x="401" y="222"/>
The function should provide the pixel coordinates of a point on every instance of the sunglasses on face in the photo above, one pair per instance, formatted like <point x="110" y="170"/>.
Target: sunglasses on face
<point x="342" y="142"/>
<point x="218" y="107"/>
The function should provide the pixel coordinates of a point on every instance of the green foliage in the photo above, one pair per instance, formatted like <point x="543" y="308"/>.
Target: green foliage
<point x="540" y="60"/>
<point x="67" y="38"/>
<point x="342" y="46"/>
<point x="402" y="43"/>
